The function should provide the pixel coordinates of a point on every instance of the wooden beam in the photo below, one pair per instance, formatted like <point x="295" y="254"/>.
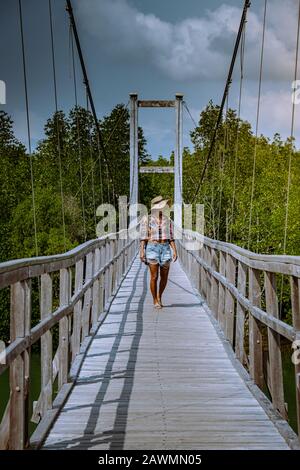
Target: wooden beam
<point x="255" y="336"/>
<point x="156" y="103"/>
<point x="156" y="169"/>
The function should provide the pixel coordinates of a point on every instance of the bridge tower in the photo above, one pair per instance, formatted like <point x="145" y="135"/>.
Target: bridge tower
<point x="135" y="103"/>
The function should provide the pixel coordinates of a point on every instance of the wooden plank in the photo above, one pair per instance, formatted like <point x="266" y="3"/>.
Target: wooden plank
<point x="64" y="298"/>
<point x="76" y="335"/>
<point x="156" y="103"/>
<point x="160" y="379"/>
<point x="255" y="336"/>
<point x="96" y="290"/>
<point x="4" y="428"/>
<point x="240" y="314"/>
<point x="295" y="297"/>
<point x="20" y="294"/>
<point x="221" y="293"/>
<point x="276" y="377"/>
<point x="229" y="298"/>
<point x="156" y="169"/>
<point x="46" y="344"/>
<point x="214" y="284"/>
<point x="86" y="312"/>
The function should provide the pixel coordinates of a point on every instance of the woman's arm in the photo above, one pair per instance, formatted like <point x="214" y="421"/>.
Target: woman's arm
<point x="173" y="246"/>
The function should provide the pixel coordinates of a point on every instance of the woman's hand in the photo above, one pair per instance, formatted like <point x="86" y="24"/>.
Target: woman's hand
<point x="142" y="252"/>
<point x="142" y="256"/>
<point x="174" y="249"/>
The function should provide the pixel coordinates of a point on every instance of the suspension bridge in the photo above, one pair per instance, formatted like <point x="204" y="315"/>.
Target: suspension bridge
<point x="205" y="372"/>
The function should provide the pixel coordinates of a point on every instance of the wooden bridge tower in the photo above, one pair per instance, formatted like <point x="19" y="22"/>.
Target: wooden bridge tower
<point x="135" y="103"/>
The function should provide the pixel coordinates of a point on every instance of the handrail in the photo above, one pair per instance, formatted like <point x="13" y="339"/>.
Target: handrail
<point x="239" y="287"/>
<point x="98" y="266"/>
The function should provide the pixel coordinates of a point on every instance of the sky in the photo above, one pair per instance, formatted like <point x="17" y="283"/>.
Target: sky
<point x="155" y="48"/>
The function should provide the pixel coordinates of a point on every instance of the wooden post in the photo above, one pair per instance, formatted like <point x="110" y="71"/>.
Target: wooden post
<point x="229" y="298"/>
<point x="64" y="298"/>
<point x="276" y="377"/>
<point x="214" y="284"/>
<point x="202" y="273"/>
<point x="77" y="310"/>
<point x="86" y="312"/>
<point x="46" y="344"/>
<point x="133" y="184"/>
<point x="96" y="289"/>
<point x="178" y="162"/>
<point x="19" y="370"/>
<point x="255" y="336"/>
<point x="221" y="292"/>
<point x="240" y="314"/>
<point x="295" y="291"/>
<point x="205" y="284"/>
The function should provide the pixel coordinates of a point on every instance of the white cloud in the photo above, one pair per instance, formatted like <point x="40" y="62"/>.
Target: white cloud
<point x="193" y="48"/>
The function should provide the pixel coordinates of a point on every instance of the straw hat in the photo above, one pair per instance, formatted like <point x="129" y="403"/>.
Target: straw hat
<point x="159" y="203"/>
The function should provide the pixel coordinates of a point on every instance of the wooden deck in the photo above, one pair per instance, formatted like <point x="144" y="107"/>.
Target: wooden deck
<point x="160" y="379"/>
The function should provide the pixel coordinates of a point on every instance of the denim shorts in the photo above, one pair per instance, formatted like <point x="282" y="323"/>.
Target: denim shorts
<point x="158" y="253"/>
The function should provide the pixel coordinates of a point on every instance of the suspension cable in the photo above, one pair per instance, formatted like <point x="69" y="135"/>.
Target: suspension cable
<point x="91" y="160"/>
<point x="87" y="85"/>
<point x="57" y="122"/>
<point x="257" y="121"/>
<point x="292" y="137"/>
<point x="242" y="58"/>
<point x="227" y="86"/>
<point x="28" y="125"/>
<point x="78" y="136"/>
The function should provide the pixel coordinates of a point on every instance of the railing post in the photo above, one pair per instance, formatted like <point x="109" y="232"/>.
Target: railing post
<point x="77" y="310"/>
<point x="240" y="314"/>
<point x="46" y="344"/>
<point x="295" y="291"/>
<point x="86" y="312"/>
<point x="276" y="377"/>
<point x="214" y="284"/>
<point x="255" y="336"/>
<point x="96" y="289"/>
<point x="221" y="292"/>
<point x="19" y="370"/>
<point x="229" y="298"/>
<point x="64" y="298"/>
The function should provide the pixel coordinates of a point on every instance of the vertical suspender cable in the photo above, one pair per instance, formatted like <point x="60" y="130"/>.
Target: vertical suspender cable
<point x="257" y="122"/>
<point x="28" y="125"/>
<point x="57" y="123"/>
<point x="227" y="86"/>
<point x="86" y="83"/>
<point x="78" y="135"/>
<point x="91" y="160"/>
<point x="286" y="222"/>
<point x="292" y="137"/>
<point x="242" y="57"/>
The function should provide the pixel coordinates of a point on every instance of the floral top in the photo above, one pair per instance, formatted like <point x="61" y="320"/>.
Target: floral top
<point x="156" y="228"/>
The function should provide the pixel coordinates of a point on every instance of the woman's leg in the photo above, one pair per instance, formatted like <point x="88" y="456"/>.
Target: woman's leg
<point x="153" y="267"/>
<point x="164" y="273"/>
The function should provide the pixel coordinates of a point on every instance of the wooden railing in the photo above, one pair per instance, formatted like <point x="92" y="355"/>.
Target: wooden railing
<point x="241" y="291"/>
<point x="87" y="278"/>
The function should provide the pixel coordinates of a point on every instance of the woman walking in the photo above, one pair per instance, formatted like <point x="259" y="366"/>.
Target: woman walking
<point x="156" y="242"/>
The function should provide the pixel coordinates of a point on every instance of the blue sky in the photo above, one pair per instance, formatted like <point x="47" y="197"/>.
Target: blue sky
<point x="155" y="48"/>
